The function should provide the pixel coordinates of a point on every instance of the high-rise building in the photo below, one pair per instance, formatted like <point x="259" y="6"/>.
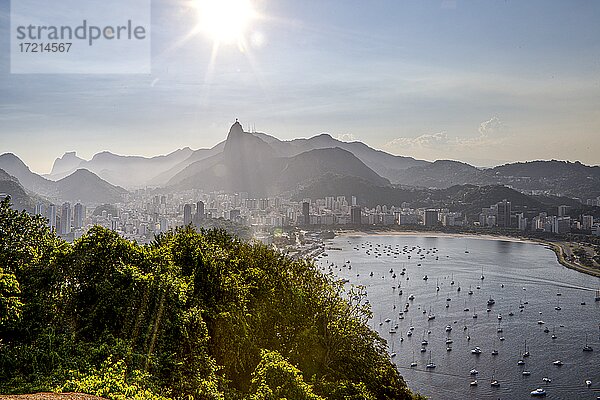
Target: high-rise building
<point x="65" y="219"/>
<point x="39" y="209"/>
<point x="52" y="216"/>
<point x="199" y="210"/>
<point x="587" y="222"/>
<point x="263" y="204"/>
<point x="561" y="224"/>
<point x="355" y="215"/>
<point x="562" y="211"/>
<point x="521" y="222"/>
<point x="329" y="200"/>
<point x="78" y="215"/>
<point x="354" y="202"/>
<point x="234" y="215"/>
<point x="431" y="217"/>
<point x="306" y="213"/>
<point x="187" y="214"/>
<point x="503" y="214"/>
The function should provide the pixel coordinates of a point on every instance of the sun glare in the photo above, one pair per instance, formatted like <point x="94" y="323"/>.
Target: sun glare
<point x="225" y="21"/>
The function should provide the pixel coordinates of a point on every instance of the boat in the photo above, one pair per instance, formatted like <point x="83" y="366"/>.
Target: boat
<point x="546" y="379"/>
<point x="413" y="363"/>
<point x="470" y="292"/>
<point x="476" y="350"/>
<point x="448" y="328"/>
<point x="558" y="363"/>
<point x="587" y="347"/>
<point x="411" y="297"/>
<point x="452" y="279"/>
<point x="588" y="383"/>
<point x="473" y="383"/>
<point x="494" y="382"/>
<point x="430" y="364"/>
<point x="473" y="372"/>
<point x="526" y="373"/>
<point x="491" y="301"/>
<point x="520" y="362"/>
<point x="482" y="277"/>
<point x="431" y="315"/>
<point x="526" y="352"/>
<point x="538" y="392"/>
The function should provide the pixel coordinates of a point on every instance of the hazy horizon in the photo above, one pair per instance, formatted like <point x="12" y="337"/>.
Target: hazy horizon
<point x="88" y="156"/>
<point x="484" y="83"/>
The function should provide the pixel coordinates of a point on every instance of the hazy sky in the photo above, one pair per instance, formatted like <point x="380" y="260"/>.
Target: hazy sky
<point x="479" y="81"/>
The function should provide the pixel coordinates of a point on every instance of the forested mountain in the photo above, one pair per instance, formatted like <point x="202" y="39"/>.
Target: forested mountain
<point x="85" y="186"/>
<point x="9" y="185"/>
<point x="31" y="181"/>
<point x="81" y="185"/>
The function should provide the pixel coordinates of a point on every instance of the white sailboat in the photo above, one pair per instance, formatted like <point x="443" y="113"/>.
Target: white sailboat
<point x="430" y="364"/>
<point x="587" y="347"/>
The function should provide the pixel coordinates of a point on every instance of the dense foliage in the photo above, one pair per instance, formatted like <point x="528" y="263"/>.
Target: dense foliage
<point x="193" y="315"/>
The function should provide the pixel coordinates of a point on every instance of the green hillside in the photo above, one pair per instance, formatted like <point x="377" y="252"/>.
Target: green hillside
<point x="197" y="315"/>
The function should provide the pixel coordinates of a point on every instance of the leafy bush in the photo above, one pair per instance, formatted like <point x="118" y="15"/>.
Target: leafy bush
<point x="112" y="382"/>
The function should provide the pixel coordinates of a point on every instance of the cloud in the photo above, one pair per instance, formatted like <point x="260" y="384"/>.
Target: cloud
<point x="346" y="137"/>
<point x="490" y="131"/>
<point x="491" y="127"/>
<point x="432" y="140"/>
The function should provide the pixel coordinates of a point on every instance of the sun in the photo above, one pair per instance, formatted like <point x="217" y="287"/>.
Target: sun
<point x="225" y="21"/>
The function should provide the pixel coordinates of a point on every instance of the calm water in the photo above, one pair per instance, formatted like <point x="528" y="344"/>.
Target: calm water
<point x="514" y="274"/>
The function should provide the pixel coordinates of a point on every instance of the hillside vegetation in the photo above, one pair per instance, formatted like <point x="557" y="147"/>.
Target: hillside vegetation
<point x="197" y="315"/>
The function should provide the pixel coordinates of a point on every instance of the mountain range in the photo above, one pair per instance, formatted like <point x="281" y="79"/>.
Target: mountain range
<point x="263" y="165"/>
<point x="21" y="183"/>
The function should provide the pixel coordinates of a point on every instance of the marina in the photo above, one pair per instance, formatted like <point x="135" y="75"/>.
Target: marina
<point x="490" y="340"/>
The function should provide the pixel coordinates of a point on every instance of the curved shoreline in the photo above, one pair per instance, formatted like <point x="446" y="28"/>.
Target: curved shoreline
<point x="556" y="247"/>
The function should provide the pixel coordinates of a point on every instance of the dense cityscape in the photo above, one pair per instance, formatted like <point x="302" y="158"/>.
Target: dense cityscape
<point x="142" y="215"/>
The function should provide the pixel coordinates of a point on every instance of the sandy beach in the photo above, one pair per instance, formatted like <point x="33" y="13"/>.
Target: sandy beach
<point x="439" y="234"/>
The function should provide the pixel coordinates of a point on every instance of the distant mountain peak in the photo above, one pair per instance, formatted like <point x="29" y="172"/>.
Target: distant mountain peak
<point x="241" y="143"/>
<point x="67" y="162"/>
<point x="236" y="129"/>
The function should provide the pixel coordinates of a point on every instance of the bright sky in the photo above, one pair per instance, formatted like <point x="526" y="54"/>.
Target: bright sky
<point x="479" y="81"/>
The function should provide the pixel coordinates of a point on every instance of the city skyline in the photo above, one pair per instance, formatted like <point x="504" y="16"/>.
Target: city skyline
<point x="484" y="83"/>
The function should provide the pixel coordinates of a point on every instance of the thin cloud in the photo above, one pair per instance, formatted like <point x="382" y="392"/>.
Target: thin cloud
<point x="491" y="127"/>
<point x="424" y="141"/>
<point x="490" y="131"/>
<point x="346" y="137"/>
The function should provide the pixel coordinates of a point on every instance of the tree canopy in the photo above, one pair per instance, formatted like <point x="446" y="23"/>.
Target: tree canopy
<point x="199" y="315"/>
